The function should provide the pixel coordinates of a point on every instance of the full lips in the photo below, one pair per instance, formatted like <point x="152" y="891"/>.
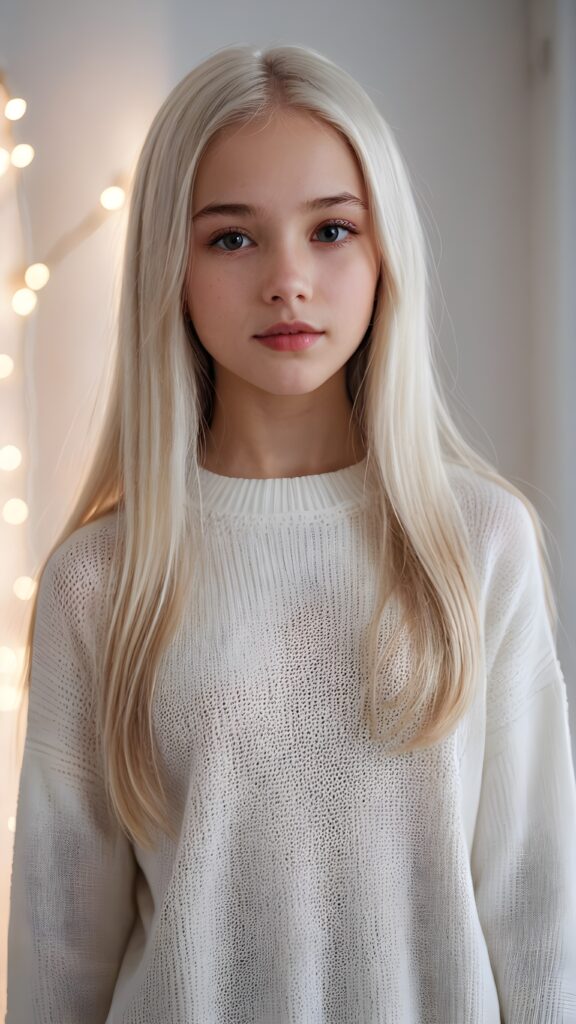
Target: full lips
<point x="289" y="342"/>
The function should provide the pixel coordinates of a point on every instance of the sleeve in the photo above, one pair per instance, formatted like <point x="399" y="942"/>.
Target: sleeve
<point x="523" y="857"/>
<point x="72" y="900"/>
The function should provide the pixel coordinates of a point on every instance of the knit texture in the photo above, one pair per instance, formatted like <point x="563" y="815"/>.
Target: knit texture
<point x="316" y="878"/>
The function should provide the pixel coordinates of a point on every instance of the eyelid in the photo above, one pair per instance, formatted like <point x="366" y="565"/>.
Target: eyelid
<point x="339" y="221"/>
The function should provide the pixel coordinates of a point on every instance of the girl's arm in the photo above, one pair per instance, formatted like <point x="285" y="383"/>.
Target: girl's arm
<point x="72" y="901"/>
<point x="524" y="851"/>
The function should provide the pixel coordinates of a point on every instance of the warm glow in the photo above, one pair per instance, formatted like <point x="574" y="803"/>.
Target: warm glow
<point x="11" y="665"/>
<point x="36" y="276"/>
<point x="24" y="301"/>
<point x="4" y="160"/>
<point x="12" y="824"/>
<point x="8" y="660"/>
<point x="22" y="155"/>
<point x="24" y="587"/>
<point x="15" y="511"/>
<point x="9" y="697"/>
<point x="113" y="198"/>
<point x="10" y="457"/>
<point x="6" y="366"/>
<point x="15" y="109"/>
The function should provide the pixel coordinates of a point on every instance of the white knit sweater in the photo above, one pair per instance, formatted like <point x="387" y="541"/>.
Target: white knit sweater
<point x="316" y="879"/>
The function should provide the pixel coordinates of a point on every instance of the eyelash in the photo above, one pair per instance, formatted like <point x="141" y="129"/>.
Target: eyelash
<point x="330" y="245"/>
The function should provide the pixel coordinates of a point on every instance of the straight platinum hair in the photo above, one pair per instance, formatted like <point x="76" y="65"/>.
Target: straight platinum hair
<point x="145" y="465"/>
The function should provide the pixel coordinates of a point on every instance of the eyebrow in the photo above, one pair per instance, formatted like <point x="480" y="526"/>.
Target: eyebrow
<point x="243" y="210"/>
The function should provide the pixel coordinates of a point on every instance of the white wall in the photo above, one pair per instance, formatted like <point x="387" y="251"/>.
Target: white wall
<point x="455" y="79"/>
<point x="552" y="51"/>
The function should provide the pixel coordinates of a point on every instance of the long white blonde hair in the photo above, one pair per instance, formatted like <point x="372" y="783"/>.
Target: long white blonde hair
<point x="145" y="463"/>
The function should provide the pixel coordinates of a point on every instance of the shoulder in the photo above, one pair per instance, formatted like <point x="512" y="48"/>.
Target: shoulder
<point x="488" y="507"/>
<point x="75" y="576"/>
<point x="499" y="525"/>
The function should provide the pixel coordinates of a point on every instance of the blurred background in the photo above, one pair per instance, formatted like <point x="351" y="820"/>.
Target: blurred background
<point x="481" y="96"/>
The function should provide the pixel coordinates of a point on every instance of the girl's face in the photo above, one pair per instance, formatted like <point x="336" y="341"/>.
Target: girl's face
<point x="251" y="268"/>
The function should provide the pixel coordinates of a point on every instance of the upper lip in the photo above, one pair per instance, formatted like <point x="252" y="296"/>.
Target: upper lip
<point x="289" y="327"/>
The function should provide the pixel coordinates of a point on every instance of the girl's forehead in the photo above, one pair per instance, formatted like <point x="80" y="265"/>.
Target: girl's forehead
<point x="287" y="119"/>
<point x="291" y="145"/>
<point x="275" y="134"/>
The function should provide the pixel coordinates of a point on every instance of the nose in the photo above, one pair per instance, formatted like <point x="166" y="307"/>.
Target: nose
<point x="287" y="275"/>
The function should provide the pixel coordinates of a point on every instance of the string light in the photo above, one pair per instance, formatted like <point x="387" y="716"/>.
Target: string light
<point x="33" y="278"/>
<point x="14" y="510"/>
<point x="23" y="287"/>
<point x="37" y="275"/>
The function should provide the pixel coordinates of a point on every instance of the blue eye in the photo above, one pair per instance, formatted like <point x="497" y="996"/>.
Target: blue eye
<point x="335" y="226"/>
<point x="237" y="234"/>
<point x="229" y="234"/>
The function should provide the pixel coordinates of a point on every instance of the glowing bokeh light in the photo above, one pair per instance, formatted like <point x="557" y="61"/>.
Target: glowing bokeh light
<point x="24" y="587"/>
<point x="22" y="155"/>
<point x="6" y="366"/>
<point x="113" y="198"/>
<point x="15" y="108"/>
<point x="24" y="301"/>
<point x="36" y="276"/>
<point x="15" y="511"/>
<point x="10" y="457"/>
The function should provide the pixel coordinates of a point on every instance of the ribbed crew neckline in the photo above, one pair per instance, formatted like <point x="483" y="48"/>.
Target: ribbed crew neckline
<point x="225" y="495"/>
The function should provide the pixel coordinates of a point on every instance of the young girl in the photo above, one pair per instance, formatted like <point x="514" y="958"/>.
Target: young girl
<point x="297" y="743"/>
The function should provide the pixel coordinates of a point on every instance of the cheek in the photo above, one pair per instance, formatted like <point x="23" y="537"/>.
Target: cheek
<point x="207" y="293"/>
<point x="353" y="293"/>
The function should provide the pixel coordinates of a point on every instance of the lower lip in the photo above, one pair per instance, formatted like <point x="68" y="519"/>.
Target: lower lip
<point x="289" y="342"/>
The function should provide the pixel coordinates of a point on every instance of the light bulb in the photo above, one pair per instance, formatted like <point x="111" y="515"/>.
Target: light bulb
<point x="36" y="276"/>
<point x="22" y="155"/>
<point x="15" y="511"/>
<point x="24" y="587"/>
<point x="10" y="457"/>
<point x="6" y="366"/>
<point x="15" y="109"/>
<point x="24" y="301"/>
<point x="113" y="198"/>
